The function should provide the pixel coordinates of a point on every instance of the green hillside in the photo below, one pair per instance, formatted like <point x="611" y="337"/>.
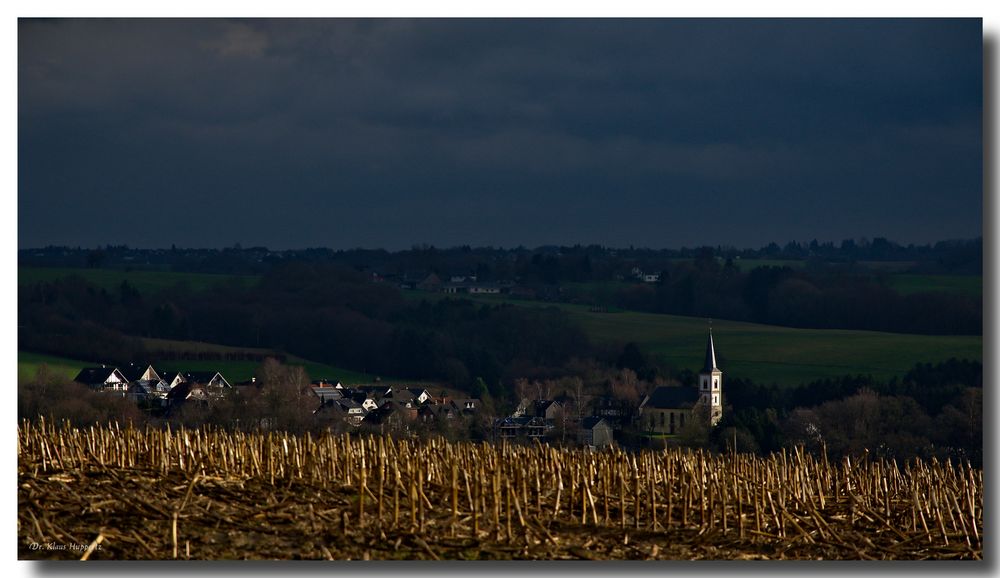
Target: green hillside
<point x="783" y="355"/>
<point x="28" y="363"/>
<point x="764" y="353"/>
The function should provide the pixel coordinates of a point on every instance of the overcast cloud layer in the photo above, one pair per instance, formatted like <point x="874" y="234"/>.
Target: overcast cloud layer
<point x="388" y="133"/>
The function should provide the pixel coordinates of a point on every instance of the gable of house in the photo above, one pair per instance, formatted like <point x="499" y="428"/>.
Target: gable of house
<point x="102" y="378"/>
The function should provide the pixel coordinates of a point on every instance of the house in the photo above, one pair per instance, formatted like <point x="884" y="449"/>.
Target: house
<point x="365" y="399"/>
<point x="430" y="283"/>
<point x="414" y="395"/>
<point x="391" y="415"/>
<point x="595" y="432"/>
<point x="543" y="408"/>
<point x="106" y="379"/>
<point x="325" y="390"/>
<point x="472" y="288"/>
<point x="428" y="413"/>
<point x="619" y="413"/>
<point x="210" y="379"/>
<point x="353" y="411"/>
<point x="188" y="392"/>
<point x="420" y="394"/>
<point x="467" y="406"/>
<point x="138" y="394"/>
<point x="524" y="427"/>
<point x="401" y="396"/>
<point x="140" y="373"/>
<point x="173" y="379"/>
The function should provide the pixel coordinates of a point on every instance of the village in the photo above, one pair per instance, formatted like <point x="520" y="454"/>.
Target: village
<point x="408" y="410"/>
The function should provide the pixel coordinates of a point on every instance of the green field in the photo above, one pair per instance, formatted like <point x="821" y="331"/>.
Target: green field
<point x="907" y="284"/>
<point x="144" y="281"/>
<point x="763" y="353"/>
<point x="28" y="363"/>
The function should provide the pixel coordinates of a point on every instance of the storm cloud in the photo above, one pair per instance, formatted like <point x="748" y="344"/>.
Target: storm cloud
<point x="387" y="133"/>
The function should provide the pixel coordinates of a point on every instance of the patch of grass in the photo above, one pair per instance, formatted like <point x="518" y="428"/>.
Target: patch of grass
<point x="908" y="284"/>
<point x="28" y="364"/>
<point x="763" y="353"/>
<point x="145" y="282"/>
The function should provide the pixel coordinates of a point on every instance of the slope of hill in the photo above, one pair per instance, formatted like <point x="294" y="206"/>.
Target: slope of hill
<point x="763" y="353"/>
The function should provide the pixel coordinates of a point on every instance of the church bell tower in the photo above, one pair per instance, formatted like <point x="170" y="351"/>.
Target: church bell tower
<point x="710" y="383"/>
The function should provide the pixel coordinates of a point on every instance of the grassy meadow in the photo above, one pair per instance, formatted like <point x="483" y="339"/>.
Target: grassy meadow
<point x="763" y="353"/>
<point x="28" y="364"/>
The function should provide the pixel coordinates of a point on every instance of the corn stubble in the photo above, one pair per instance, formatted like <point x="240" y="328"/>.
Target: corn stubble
<point x="211" y="494"/>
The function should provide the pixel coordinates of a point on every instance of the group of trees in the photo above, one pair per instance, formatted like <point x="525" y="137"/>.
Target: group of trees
<point x="935" y="410"/>
<point x="552" y="264"/>
<point x="824" y="298"/>
<point x="325" y="313"/>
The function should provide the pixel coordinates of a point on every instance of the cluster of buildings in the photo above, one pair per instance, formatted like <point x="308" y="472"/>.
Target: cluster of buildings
<point x="148" y="388"/>
<point x="666" y="411"/>
<point x="386" y="407"/>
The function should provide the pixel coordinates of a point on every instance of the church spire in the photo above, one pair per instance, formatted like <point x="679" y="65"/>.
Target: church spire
<point x="710" y="365"/>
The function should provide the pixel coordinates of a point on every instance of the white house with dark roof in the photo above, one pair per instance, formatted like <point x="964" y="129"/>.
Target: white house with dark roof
<point x="108" y="379"/>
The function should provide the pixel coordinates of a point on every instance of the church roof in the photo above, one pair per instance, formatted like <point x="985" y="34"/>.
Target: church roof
<point x="710" y="365"/>
<point x="671" y="397"/>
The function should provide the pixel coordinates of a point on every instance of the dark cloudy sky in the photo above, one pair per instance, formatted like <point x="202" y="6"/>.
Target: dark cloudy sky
<point x="389" y="133"/>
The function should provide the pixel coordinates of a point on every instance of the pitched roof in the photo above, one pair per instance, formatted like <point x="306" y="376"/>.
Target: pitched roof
<point x="665" y="397"/>
<point x="205" y="377"/>
<point x="133" y="372"/>
<point x="94" y="375"/>
<point x="591" y="422"/>
<point x="170" y="376"/>
<point x="710" y="365"/>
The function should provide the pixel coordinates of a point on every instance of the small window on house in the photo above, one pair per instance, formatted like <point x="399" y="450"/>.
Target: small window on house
<point x="715" y="384"/>
<point x="682" y="420"/>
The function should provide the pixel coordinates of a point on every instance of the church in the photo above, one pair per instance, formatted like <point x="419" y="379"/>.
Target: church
<point x="668" y="409"/>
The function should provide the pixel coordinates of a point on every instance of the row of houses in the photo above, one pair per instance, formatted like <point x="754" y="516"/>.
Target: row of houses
<point x="145" y="386"/>
<point x="377" y="404"/>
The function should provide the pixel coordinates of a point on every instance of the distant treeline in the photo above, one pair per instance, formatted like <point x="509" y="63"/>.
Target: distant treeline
<point x="829" y="289"/>
<point x="550" y="264"/>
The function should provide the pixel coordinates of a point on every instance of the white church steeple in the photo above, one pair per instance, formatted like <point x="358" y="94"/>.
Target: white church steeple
<point x="710" y="382"/>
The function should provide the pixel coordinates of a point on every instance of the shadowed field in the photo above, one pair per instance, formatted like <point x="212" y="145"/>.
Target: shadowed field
<point x="150" y="494"/>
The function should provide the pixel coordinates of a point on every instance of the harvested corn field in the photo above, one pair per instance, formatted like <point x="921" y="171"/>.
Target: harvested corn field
<point x="123" y="493"/>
